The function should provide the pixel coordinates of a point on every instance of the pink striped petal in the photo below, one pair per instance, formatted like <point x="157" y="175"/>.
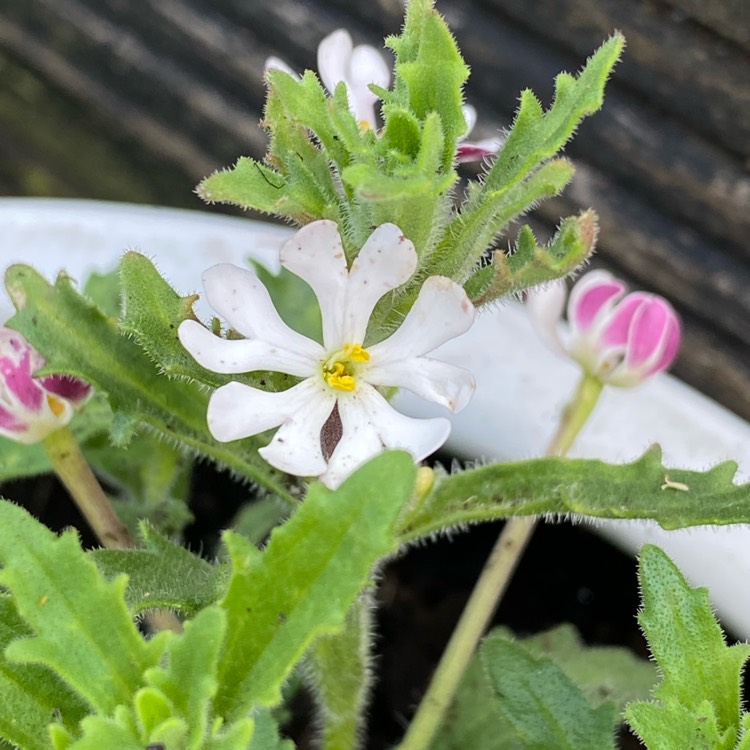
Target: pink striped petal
<point x="16" y="375"/>
<point x="617" y="326"/>
<point x="593" y="293"/>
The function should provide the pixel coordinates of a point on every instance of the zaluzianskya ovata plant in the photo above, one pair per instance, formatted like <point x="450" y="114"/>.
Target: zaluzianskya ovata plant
<point x="620" y="339"/>
<point x="361" y="147"/>
<point x="335" y="419"/>
<point x="339" y="61"/>
<point x="368" y="161"/>
<point x="33" y="407"/>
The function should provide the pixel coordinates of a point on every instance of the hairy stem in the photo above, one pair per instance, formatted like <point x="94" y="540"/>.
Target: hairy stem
<point x="76" y="475"/>
<point x="491" y="585"/>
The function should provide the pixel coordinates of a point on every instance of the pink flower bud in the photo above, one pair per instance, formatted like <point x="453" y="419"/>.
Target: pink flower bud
<point x="622" y="339"/>
<point x="31" y="408"/>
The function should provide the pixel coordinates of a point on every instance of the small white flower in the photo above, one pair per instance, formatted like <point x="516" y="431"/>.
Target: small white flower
<point x="335" y="419"/>
<point x="357" y="67"/>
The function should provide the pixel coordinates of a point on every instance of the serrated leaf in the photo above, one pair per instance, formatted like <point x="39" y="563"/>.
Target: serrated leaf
<point x="688" y="644"/>
<point x="531" y="264"/>
<point x="467" y="237"/>
<point x="474" y="719"/>
<point x="545" y="707"/>
<point x="429" y="73"/>
<point x="583" y="487"/>
<point x="610" y="673"/>
<point x="80" y="622"/>
<point x="189" y="681"/>
<point x="153" y="313"/>
<point x="31" y="696"/>
<point x="323" y="555"/>
<point x="163" y="575"/>
<point x="248" y="183"/>
<point x="266" y="734"/>
<point x="536" y="135"/>
<point x="77" y="339"/>
<point x="601" y="673"/>
<point x="338" y="668"/>
<point x="674" y="727"/>
<point x="103" y="289"/>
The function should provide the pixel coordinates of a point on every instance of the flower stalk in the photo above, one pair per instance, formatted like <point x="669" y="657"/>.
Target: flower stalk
<point x="492" y="584"/>
<point x="74" y="472"/>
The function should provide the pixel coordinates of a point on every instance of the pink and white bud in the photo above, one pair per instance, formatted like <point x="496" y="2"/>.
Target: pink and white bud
<point x="31" y="408"/>
<point x="622" y="339"/>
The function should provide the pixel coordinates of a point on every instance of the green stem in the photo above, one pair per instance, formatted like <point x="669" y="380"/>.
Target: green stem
<point x="75" y="473"/>
<point x="70" y="465"/>
<point x="492" y="583"/>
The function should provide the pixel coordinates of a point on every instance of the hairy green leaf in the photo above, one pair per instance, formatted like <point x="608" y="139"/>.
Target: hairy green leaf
<point x="531" y="264"/>
<point x="608" y="673"/>
<point x="163" y="575"/>
<point x="701" y="674"/>
<point x="31" y="695"/>
<point x="474" y="719"/>
<point x="429" y="73"/>
<point x="80" y="623"/>
<point x="537" y="135"/>
<point x="339" y="672"/>
<point x="189" y="683"/>
<point x="601" y="673"/>
<point x="675" y="498"/>
<point x="77" y="339"/>
<point x="543" y="705"/>
<point x="301" y="586"/>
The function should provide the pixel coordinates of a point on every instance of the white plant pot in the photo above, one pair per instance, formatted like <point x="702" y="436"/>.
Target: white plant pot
<point x="521" y="386"/>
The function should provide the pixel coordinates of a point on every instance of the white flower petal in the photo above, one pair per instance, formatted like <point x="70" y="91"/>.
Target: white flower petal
<point x="370" y="425"/>
<point x="385" y="262"/>
<point x="334" y="55"/>
<point x="296" y="447"/>
<point x="441" y="312"/>
<point x="316" y="255"/>
<point x="276" y="63"/>
<point x="367" y="66"/>
<point x="441" y="382"/>
<point x="240" y="298"/>
<point x="243" y="355"/>
<point x="470" y="115"/>
<point x="237" y="411"/>
<point x="545" y="306"/>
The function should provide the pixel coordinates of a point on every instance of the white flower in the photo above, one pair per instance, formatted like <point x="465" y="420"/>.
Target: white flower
<point x="357" y="67"/>
<point x="335" y="419"/>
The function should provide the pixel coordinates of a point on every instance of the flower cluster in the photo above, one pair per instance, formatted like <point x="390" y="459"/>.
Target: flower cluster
<point x="31" y="408"/>
<point x="339" y="61"/>
<point x="336" y="418"/>
<point x="621" y="339"/>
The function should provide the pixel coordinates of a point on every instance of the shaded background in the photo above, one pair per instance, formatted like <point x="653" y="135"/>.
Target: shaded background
<point x="136" y="101"/>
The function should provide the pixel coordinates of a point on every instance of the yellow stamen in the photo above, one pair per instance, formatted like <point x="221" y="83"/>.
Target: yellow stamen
<point x="340" y="379"/>
<point x="364" y="126"/>
<point x="340" y="369"/>
<point x="55" y="405"/>
<point x="356" y="353"/>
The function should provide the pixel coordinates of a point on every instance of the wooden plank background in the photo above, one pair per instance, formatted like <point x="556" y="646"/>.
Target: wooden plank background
<point x="137" y="101"/>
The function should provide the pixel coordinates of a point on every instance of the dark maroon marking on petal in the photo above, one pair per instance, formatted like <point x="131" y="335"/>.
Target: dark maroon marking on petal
<point x="68" y="387"/>
<point x="330" y="433"/>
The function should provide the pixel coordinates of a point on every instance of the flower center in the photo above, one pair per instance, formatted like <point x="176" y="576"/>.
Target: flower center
<point x="340" y="369"/>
